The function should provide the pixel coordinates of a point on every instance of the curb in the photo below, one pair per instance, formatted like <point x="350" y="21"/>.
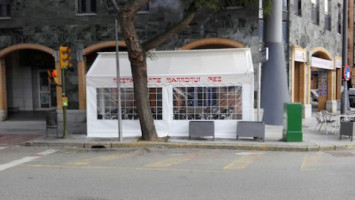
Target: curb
<point x="236" y="146"/>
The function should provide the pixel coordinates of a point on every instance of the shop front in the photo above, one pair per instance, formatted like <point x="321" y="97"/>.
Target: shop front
<point x="184" y="86"/>
<point x="315" y="80"/>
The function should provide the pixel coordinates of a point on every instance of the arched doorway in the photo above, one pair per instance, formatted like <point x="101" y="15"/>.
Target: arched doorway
<point x="24" y="79"/>
<point x="322" y="79"/>
<point x="212" y="43"/>
<point x="88" y="56"/>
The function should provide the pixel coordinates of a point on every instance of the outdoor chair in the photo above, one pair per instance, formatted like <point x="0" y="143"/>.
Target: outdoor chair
<point x="320" y="121"/>
<point x="329" y="119"/>
<point x="351" y="114"/>
<point x="51" y="122"/>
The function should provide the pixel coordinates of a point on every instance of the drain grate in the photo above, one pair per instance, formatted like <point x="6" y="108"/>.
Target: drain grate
<point x="98" y="147"/>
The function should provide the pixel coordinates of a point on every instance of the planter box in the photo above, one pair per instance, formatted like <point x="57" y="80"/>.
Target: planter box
<point x="201" y="129"/>
<point x="251" y="129"/>
<point x="347" y="128"/>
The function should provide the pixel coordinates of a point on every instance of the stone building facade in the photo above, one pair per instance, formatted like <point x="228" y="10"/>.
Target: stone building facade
<point x="34" y="27"/>
<point x="315" y="52"/>
<point x="32" y="31"/>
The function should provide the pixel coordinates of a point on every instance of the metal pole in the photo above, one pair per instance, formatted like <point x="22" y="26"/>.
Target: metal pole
<point x="274" y="90"/>
<point x="119" y="112"/>
<point x="259" y="92"/>
<point x="345" y="96"/>
<point x="65" y="127"/>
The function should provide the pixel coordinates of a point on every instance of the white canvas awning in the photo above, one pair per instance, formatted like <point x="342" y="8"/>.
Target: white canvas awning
<point x="176" y="67"/>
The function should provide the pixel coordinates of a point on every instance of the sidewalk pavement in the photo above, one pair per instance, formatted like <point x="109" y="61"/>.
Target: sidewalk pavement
<point x="273" y="141"/>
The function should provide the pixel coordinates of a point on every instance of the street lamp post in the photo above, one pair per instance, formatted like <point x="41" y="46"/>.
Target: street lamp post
<point x="345" y="95"/>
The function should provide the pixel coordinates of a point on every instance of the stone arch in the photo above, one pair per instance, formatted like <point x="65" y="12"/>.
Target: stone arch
<point x="329" y="98"/>
<point x="82" y="67"/>
<point x="102" y="45"/>
<point x="212" y="41"/>
<point x="3" y="53"/>
<point x="23" y="46"/>
<point x="321" y="53"/>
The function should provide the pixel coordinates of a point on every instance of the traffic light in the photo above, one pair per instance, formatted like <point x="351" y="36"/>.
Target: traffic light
<point x="52" y="77"/>
<point x="65" y="57"/>
<point x="65" y="101"/>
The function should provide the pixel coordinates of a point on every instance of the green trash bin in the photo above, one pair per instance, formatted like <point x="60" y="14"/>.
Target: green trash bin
<point x="292" y="131"/>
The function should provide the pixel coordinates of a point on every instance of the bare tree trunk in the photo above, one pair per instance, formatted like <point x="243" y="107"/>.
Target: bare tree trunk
<point x="139" y="70"/>
<point x="141" y="97"/>
<point x="136" y="52"/>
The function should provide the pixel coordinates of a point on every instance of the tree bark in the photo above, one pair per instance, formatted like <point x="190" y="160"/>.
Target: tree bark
<point x="137" y="57"/>
<point x="138" y="67"/>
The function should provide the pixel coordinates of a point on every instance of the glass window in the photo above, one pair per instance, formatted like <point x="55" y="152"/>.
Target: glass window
<point x="339" y="18"/>
<point x="315" y="12"/>
<point x="5" y="9"/>
<point x="86" y="6"/>
<point x="327" y="12"/>
<point x="261" y="31"/>
<point x="284" y="31"/>
<point x="107" y="103"/>
<point x="297" y="7"/>
<point x="234" y="4"/>
<point x="284" y="5"/>
<point x="207" y="103"/>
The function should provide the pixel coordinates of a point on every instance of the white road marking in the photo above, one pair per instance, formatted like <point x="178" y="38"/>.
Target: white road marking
<point x="248" y="153"/>
<point x="1" y="148"/>
<point x="25" y="159"/>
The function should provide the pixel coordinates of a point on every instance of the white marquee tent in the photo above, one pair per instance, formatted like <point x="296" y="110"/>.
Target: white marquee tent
<point x="215" y="85"/>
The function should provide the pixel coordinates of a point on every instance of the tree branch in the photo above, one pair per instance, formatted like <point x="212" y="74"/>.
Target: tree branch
<point x="158" y="40"/>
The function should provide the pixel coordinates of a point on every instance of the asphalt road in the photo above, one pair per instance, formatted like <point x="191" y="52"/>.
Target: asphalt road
<point x="38" y="173"/>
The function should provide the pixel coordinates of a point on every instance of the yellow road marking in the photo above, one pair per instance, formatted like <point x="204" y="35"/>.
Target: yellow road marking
<point x="86" y="162"/>
<point x="311" y="161"/>
<point x="242" y="162"/>
<point x="174" y="161"/>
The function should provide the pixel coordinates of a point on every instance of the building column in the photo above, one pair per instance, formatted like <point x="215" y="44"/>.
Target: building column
<point x="3" y="91"/>
<point x="331" y="104"/>
<point x="81" y="81"/>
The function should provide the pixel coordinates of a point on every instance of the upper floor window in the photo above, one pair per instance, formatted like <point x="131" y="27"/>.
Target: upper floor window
<point x="285" y="31"/>
<point x="261" y="9"/>
<point x="327" y="12"/>
<point x="234" y="4"/>
<point x="5" y="9"/>
<point x="86" y="6"/>
<point x="284" y="9"/>
<point x="297" y="7"/>
<point x="339" y="18"/>
<point x="261" y="31"/>
<point x="315" y="11"/>
<point x="284" y="5"/>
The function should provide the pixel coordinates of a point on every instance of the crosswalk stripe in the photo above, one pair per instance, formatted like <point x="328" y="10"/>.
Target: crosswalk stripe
<point x="86" y="162"/>
<point x="174" y="161"/>
<point x="311" y="161"/>
<point x="23" y="160"/>
<point x="242" y="162"/>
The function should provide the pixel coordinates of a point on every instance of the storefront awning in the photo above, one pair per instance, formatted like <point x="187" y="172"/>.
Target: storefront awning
<point x="322" y="63"/>
<point x="176" y="67"/>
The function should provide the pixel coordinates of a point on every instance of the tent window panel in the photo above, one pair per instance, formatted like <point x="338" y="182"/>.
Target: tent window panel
<point x="107" y="103"/>
<point x="207" y="103"/>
